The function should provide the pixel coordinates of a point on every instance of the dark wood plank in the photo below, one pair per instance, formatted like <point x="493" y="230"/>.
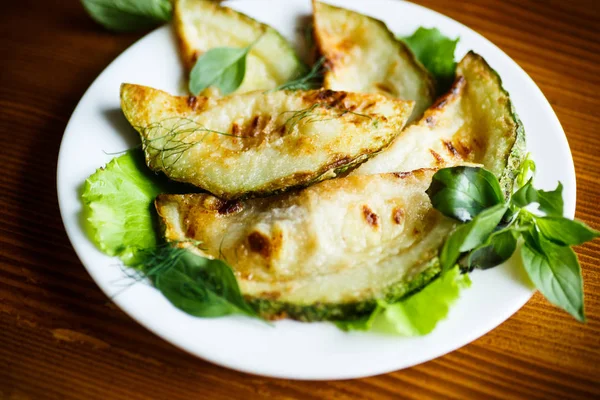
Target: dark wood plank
<point x="60" y="337"/>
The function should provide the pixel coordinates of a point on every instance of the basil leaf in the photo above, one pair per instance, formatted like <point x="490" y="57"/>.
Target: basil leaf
<point x="128" y="15"/>
<point x="436" y="52"/>
<point x="551" y="202"/>
<point x="470" y="235"/>
<point x="463" y="192"/>
<point x="223" y="67"/>
<point x="196" y="285"/>
<point x="555" y="272"/>
<point x="565" y="231"/>
<point x="499" y="247"/>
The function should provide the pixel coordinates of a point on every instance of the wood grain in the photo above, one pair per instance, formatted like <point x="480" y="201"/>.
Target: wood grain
<point x="60" y="337"/>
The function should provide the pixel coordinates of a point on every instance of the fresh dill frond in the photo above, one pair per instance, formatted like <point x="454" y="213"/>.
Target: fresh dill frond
<point x="312" y="80"/>
<point x="175" y="138"/>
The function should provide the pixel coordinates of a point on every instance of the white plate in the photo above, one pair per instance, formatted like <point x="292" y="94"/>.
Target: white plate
<point x="292" y="349"/>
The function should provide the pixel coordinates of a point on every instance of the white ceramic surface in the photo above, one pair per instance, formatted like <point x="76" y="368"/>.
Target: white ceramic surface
<point x="291" y="349"/>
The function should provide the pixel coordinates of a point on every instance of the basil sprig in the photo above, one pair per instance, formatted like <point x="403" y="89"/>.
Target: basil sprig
<point x="223" y="67"/>
<point x="493" y="225"/>
<point x="128" y="15"/>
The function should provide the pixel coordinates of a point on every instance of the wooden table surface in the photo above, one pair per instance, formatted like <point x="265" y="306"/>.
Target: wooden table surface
<point x="60" y="336"/>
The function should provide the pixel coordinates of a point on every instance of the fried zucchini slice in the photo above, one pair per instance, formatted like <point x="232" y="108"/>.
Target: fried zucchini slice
<point x="201" y="25"/>
<point x="474" y="122"/>
<point x="260" y="143"/>
<point x="363" y="55"/>
<point x="328" y="251"/>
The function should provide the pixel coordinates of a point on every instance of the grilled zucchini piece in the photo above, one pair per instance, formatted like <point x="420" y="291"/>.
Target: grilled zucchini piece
<point x="474" y="122"/>
<point x="260" y="143"/>
<point x="328" y="251"/>
<point x="363" y="55"/>
<point x="201" y="25"/>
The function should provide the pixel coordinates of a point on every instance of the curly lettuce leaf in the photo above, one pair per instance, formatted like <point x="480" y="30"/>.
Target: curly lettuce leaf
<point x="436" y="52"/>
<point x="118" y="206"/>
<point x="417" y="314"/>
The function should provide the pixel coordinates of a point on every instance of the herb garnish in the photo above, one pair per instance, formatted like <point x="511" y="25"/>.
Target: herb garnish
<point x="312" y="79"/>
<point x="129" y="15"/>
<point x="436" y="52"/>
<point x="494" y="225"/>
<point x="197" y="285"/>
<point x="223" y="67"/>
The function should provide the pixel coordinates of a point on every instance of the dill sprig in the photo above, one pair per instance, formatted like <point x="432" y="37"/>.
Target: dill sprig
<point x="309" y="115"/>
<point x="177" y="138"/>
<point x="198" y="285"/>
<point x="312" y="80"/>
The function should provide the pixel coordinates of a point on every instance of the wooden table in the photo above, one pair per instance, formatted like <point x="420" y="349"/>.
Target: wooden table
<point x="60" y="337"/>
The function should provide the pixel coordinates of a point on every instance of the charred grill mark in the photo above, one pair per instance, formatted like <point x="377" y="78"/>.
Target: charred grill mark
<point x="458" y="85"/>
<point x="192" y="102"/>
<point x="235" y="129"/>
<point x="440" y="103"/>
<point x="260" y="244"/>
<point x="338" y="100"/>
<point x="212" y="203"/>
<point x="402" y="175"/>
<point x="462" y="149"/>
<point x="340" y="162"/>
<point x="455" y="90"/>
<point x="415" y="172"/>
<point x="384" y="87"/>
<point x="438" y="159"/>
<point x="370" y="216"/>
<point x="191" y="229"/>
<point x="324" y="95"/>
<point x="397" y="215"/>
<point x="230" y="207"/>
<point x="451" y="148"/>
<point x="254" y="123"/>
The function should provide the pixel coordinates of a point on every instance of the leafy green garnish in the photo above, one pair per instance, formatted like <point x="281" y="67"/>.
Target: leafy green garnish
<point x="463" y="192"/>
<point x="555" y="271"/>
<point x="564" y="231"/>
<point x="498" y="248"/>
<point x="117" y="203"/>
<point x="471" y="235"/>
<point x="129" y="15"/>
<point x="197" y="285"/>
<point x="223" y="67"/>
<point x="436" y="52"/>
<point x="419" y="313"/>
<point x="550" y="202"/>
<point x="491" y="236"/>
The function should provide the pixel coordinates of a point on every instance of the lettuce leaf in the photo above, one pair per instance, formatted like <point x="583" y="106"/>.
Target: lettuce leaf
<point x="417" y="314"/>
<point x="118" y="207"/>
<point x="436" y="52"/>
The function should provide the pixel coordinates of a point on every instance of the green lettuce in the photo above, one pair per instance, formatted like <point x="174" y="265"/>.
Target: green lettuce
<point x="417" y="314"/>
<point x="436" y="52"/>
<point x="118" y="207"/>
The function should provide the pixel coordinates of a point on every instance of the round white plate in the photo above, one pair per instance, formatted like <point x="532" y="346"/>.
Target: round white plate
<point x="291" y="349"/>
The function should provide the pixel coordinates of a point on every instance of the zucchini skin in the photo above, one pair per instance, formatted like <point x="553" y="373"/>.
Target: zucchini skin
<point x="275" y="310"/>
